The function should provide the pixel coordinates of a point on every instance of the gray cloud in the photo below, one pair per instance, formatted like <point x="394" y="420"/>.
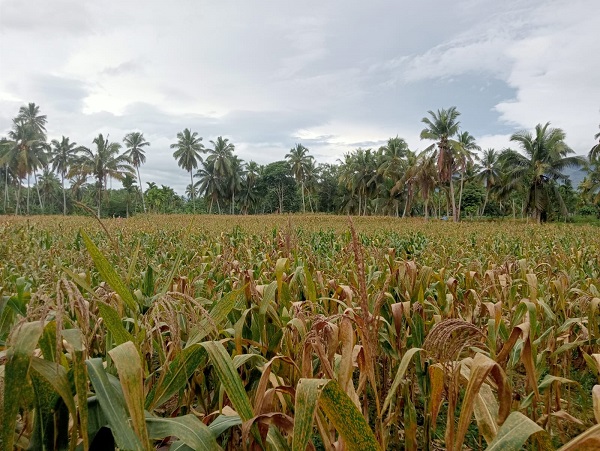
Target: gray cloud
<point x="333" y="75"/>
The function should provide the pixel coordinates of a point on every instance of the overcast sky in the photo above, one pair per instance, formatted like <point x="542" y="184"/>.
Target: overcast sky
<point x="333" y="75"/>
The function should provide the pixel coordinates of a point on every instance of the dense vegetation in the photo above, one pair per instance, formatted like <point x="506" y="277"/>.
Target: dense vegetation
<point x="288" y="332"/>
<point x="452" y="177"/>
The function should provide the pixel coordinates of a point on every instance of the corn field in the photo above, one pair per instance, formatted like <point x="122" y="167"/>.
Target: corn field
<point x="300" y="332"/>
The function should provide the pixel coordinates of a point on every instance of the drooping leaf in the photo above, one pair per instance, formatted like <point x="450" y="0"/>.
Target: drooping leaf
<point x="131" y="375"/>
<point x="18" y="361"/>
<point x="113" y="406"/>
<point x="513" y="434"/>
<point x="176" y="376"/>
<point x="188" y="429"/>
<point x="109" y="274"/>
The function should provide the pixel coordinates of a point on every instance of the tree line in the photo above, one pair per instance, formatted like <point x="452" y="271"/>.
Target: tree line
<point x="451" y="178"/>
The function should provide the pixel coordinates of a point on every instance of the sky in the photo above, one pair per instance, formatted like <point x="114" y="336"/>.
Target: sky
<point x="333" y="75"/>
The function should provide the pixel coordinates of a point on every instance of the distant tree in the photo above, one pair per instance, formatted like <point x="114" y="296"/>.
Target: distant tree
<point x="63" y="155"/>
<point x="464" y="154"/>
<point x="24" y="153"/>
<point x="541" y="166"/>
<point x="299" y="161"/>
<point x="101" y="163"/>
<point x="440" y="128"/>
<point x="134" y="149"/>
<point x="595" y="151"/>
<point x="130" y="188"/>
<point x="489" y="173"/>
<point x="278" y="188"/>
<point x="188" y="148"/>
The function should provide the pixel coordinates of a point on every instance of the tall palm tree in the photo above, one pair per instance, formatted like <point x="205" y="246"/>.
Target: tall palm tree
<point x="31" y="116"/>
<point x="595" y="151"/>
<point x="130" y="188"/>
<point x="222" y="160"/>
<point x="209" y="183"/>
<point x="234" y="179"/>
<point x="103" y="163"/>
<point x="63" y="154"/>
<point x="464" y="152"/>
<point x="248" y="193"/>
<point x="489" y="173"/>
<point x="440" y="128"/>
<point x="135" y="143"/>
<point x="299" y="161"/>
<point x="425" y="177"/>
<point x="24" y="153"/>
<point x="189" y="147"/>
<point x="541" y="166"/>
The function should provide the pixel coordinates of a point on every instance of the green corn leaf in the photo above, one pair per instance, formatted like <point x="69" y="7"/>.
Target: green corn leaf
<point x="513" y="434"/>
<point x="406" y="358"/>
<point x="18" y="361"/>
<point x="109" y="274"/>
<point x="74" y="343"/>
<point x="113" y="406"/>
<point x="224" y="422"/>
<point x="230" y="379"/>
<point x="188" y="429"/>
<point x="113" y="323"/>
<point x="346" y="418"/>
<point x="218" y="314"/>
<point x="131" y="375"/>
<point x="176" y="376"/>
<point x="307" y="398"/>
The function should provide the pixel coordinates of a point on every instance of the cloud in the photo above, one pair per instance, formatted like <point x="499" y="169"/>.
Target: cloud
<point x="333" y="75"/>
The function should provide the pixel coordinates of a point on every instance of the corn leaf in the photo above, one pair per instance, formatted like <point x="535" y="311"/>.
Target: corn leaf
<point x="513" y="434"/>
<point x="113" y="406"/>
<point x="109" y="274"/>
<point x="129" y="367"/>
<point x="18" y="361"/>
<point x="188" y="429"/>
<point x="180" y="370"/>
<point x="113" y="323"/>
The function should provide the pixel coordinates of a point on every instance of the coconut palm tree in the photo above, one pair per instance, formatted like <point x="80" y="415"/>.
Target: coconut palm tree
<point x="545" y="157"/>
<point x="489" y="173"/>
<point x="63" y="154"/>
<point x="464" y="154"/>
<point x="103" y="163"/>
<point x="130" y="188"/>
<point x="595" y="151"/>
<point x="24" y="153"/>
<point x="299" y="160"/>
<point x="134" y="144"/>
<point x="248" y="193"/>
<point x="222" y="160"/>
<point x="31" y="116"/>
<point x="440" y="128"/>
<point x="189" y="147"/>
<point x="209" y="184"/>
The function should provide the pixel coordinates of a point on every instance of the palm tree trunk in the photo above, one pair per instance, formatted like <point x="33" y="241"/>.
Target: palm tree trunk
<point x="452" y="199"/>
<point x="211" y="204"/>
<point x="427" y="208"/>
<point x="303" y="204"/>
<point x="28" y="188"/>
<point x="232" y="200"/>
<point x="218" y="205"/>
<point x="18" y="199"/>
<point x="37" y="186"/>
<point x="485" y="200"/>
<point x="193" y="200"/>
<point x="5" y="187"/>
<point x="64" y="194"/>
<point x="462" y="182"/>
<point x="99" y="196"/>
<point x="142" y="189"/>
